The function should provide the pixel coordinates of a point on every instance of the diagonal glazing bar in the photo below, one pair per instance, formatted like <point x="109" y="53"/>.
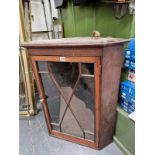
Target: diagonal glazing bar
<point x="61" y="92"/>
<point x="68" y="103"/>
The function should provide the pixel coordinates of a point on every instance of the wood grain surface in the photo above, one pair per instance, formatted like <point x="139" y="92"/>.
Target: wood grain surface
<point x="107" y="56"/>
<point x="77" y="42"/>
<point x="111" y="69"/>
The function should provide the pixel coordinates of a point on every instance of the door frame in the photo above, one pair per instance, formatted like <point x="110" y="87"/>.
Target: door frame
<point x="97" y="74"/>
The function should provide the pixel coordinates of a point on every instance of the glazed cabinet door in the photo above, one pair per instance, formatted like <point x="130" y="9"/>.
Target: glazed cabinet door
<point x="69" y="90"/>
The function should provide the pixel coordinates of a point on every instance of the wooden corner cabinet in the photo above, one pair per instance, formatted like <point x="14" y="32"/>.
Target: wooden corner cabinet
<point x="78" y="82"/>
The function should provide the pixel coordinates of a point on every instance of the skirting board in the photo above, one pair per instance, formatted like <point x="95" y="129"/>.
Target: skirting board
<point x="121" y="146"/>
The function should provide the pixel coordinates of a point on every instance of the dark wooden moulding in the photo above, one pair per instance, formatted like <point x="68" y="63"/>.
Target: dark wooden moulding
<point x="108" y="57"/>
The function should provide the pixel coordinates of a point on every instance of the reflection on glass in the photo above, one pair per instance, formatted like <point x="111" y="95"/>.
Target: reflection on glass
<point x="87" y="68"/>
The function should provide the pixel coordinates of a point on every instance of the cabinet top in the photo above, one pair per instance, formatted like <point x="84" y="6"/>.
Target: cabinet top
<point x="75" y="42"/>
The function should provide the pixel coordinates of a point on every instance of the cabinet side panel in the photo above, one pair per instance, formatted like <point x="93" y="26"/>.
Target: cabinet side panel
<point x="111" y="69"/>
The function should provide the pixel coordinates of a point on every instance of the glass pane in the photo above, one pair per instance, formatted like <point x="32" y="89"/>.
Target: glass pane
<point x="89" y="136"/>
<point x="66" y="75"/>
<point x="82" y="105"/>
<point x="50" y="91"/>
<point x="52" y="97"/>
<point x="87" y="68"/>
<point x="42" y="67"/>
<point x="70" y="125"/>
<point x="63" y="85"/>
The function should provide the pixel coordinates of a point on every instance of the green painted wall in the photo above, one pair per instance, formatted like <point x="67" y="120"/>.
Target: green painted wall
<point x="82" y="20"/>
<point x="125" y="132"/>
